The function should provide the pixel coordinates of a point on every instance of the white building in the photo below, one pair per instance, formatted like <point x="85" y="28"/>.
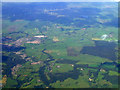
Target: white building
<point x="103" y="37"/>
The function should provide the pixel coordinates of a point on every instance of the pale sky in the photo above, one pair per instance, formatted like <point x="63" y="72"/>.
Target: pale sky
<point x="59" y="0"/>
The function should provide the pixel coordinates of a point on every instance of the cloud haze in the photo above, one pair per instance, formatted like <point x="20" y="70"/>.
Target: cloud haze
<point x="60" y="0"/>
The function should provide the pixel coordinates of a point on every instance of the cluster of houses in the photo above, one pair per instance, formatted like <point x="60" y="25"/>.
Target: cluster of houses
<point x="34" y="42"/>
<point x="24" y="56"/>
<point x="15" y="69"/>
<point x="21" y="41"/>
<point x="34" y="63"/>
